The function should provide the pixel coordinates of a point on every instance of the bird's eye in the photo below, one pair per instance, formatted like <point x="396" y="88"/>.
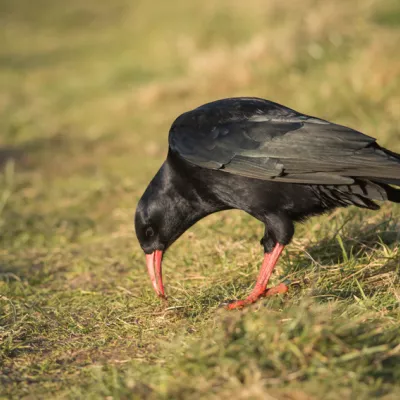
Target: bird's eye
<point x="149" y="232"/>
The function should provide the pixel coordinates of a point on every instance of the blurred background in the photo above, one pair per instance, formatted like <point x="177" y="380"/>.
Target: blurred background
<point x="88" y="87"/>
<point x="89" y="90"/>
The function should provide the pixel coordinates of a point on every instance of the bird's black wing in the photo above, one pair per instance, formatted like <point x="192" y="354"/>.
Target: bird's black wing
<point x="264" y="140"/>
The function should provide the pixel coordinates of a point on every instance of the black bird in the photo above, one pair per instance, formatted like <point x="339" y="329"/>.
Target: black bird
<point x="268" y="160"/>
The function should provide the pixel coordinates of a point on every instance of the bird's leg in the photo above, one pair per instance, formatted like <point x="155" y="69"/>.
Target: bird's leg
<point x="260" y="289"/>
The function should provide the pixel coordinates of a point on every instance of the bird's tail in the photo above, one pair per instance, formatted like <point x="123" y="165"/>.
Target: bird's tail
<point x="393" y="194"/>
<point x="381" y="170"/>
<point x="393" y="178"/>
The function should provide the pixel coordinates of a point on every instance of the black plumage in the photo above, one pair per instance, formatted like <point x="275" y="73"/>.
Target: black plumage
<point x="268" y="160"/>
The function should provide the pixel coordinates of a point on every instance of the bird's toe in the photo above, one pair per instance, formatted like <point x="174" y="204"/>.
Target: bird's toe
<point x="236" y="304"/>
<point x="279" y="289"/>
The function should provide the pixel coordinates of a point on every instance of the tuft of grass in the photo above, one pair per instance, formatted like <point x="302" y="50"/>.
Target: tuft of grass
<point x="89" y="91"/>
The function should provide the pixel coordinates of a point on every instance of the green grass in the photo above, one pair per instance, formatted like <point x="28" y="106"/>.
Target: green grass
<point x="89" y="90"/>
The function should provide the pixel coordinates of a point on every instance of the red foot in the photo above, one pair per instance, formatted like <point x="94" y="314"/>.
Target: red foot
<point x="241" y="303"/>
<point x="279" y="289"/>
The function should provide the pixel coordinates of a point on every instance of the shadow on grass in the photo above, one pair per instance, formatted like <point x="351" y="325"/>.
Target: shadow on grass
<point x="343" y="265"/>
<point x="10" y="153"/>
<point x="28" y="155"/>
<point x="355" y="241"/>
<point x="33" y="271"/>
<point x="39" y="151"/>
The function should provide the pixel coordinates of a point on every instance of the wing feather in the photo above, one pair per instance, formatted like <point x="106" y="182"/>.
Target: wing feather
<point x="263" y="140"/>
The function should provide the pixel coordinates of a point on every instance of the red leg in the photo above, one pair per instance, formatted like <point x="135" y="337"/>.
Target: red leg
<point x="260" y="289"/>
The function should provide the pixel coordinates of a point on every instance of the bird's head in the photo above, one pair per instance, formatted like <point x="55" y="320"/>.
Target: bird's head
<point x="163" y="214"/>
<point x="153" y="236"/>
<point x="151" y="226"/>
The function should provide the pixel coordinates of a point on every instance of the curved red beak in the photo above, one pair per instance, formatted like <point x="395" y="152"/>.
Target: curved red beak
<point x="154" y="268"/>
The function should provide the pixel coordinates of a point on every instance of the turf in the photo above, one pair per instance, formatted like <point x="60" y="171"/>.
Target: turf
<point x="89" y="90"/>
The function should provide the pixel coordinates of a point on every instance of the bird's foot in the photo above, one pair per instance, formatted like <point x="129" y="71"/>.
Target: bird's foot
<point x="241" y="303"/>
<point x="279" y="289"/>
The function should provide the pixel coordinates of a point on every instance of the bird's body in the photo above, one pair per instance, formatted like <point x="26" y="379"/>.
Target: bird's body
<point x="272" y="162"/>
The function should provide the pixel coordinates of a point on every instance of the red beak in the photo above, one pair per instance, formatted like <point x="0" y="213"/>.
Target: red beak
<point x="154" y="268"/>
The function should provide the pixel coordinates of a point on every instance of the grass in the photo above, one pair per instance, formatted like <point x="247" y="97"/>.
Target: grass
<point x="89" y="91"/>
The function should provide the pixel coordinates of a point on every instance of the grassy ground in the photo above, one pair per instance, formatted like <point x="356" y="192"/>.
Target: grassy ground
<point x="89" y="90"/>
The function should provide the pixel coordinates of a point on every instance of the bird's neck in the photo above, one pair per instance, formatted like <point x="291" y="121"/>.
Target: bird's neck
<point x="181" y="203"/>
<point x="186" y="182"/>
